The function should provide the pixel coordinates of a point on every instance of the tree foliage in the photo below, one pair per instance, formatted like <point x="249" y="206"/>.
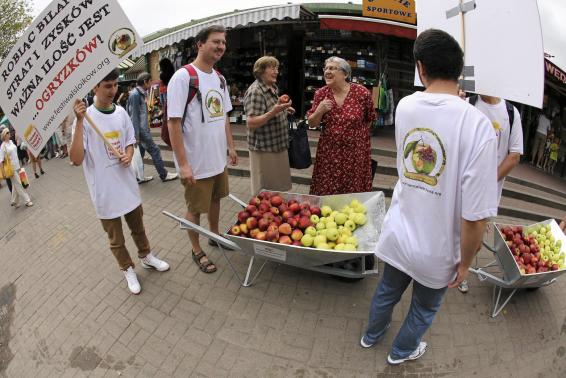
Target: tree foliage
<point x="15" y="16"/>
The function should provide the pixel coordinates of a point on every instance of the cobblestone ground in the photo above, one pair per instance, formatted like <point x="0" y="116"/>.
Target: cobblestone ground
<point x="65" y="310"/>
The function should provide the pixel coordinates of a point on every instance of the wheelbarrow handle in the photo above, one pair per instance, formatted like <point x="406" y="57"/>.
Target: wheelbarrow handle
<point x="204" y="232"/>
<point x="483" y="275"/>
<point x="237" y="200"/>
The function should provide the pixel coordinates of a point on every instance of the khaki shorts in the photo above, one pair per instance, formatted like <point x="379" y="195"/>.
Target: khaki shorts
<point x="199" y="196"/>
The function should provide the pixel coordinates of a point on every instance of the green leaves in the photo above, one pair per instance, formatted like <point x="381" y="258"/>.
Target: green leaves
<point x="409" y="147"/>
<point x="15" y="17"/>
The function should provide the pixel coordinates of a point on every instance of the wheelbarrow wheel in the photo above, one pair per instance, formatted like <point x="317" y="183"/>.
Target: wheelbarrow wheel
<point x="354" y="266"/>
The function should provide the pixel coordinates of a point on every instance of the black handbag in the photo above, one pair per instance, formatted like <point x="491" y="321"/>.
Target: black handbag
<point x="299" y="149"/>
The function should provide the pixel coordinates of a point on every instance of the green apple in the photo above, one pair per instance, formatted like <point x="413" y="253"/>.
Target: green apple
<point x="360" y="219"/>
<point x="322" y="232"/>
<point x="535" y="234"/>
<point x="322" y="220"/>
<point x="339" y="247"/>
<point x="332" y="234"/>
<point x="355" y="202"/>
<point x="322" y="246"/>
<point x="333" y="214"/>
<point x="310" y="230"/>
<point x="559" y="243"/>
<point x="346" y="231"/>
<point x="329" y="219"/>
<point x="350" y="224"/>
<point x="325" y="211"/>
<point x="319" y="239"/>
<point x="352" y="240"/>
<point x="341" y="239"/>
<point x="331" y="245"/>
<point x="320" y="226"/>
<point x="307" y="240"/>
<point x="341" y="218"/>
<point x="315" y="219"/>
<point x="330" y="225"/>
<point x="349" y="247"/>
<point x="360" y="209"/>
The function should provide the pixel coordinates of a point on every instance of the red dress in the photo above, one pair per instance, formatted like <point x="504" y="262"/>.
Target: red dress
<point x="343" y="156"/>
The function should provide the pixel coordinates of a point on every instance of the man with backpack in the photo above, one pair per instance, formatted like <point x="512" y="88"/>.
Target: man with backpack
<point x="506" y="122"/>
<point x="137" y="109"/>
<point x="198" y="102"/>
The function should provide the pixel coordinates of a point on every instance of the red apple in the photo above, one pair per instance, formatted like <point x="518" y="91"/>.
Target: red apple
<point x="305" y="213"/>
<point x="522" y="248"/>
<point x="254" y="232"/>
<point x="283" y="208"/>
<point x="293" y="222"/>
<point x="287" y="214"/>
<point x="260" y="235"/>
<point x="285" y="239"/>
<point x="235" y="230"/>
<point x="295" y="208"/>
<point x="255" y="201"/>
<point x="251" y="208"/>
<point x="242" y="216"/>
<point x="297" y="234"/>
<point x="262" y="224"/>
<point x="305" y="205"/>
<point x="276" y="200"/>
<point x="297" y="243"/>
<point x="531" y="270"/>
<point x="272" y="235"/>
<point x="274" y="210"/>
<point x="304" y="222"/>
<point x="277" y="220"/>
<point x="554" y="267"/>
<point x="285" y="229"/>
<point x="252" y="223"/>
<point x="264" y="206"/>
<point x="264" y="195"/>
<point x="269" y="217"/>
<point x="315" y="210"/>
<point x="291" y="201"/>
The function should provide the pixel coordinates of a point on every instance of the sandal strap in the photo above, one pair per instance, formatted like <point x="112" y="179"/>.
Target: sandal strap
<point x="199" y="255"/>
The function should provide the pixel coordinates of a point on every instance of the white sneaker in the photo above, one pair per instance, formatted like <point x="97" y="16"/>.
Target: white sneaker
<point x="463" y="287"/>
<point x="152" y="262"/>
<point x="145" y="179"/>
<point x="170" y="176"/>
<point x="421" y="349"/>
<point x="133" y="283"/>
<point x="29" y="204"/>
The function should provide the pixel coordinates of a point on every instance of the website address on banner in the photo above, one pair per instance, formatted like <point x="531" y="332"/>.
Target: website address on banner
<point x="82" y="83"/>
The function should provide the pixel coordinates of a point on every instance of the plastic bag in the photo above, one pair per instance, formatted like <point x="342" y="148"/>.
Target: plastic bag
<point x="137" y="164"/>
<point x="24" y="178"/>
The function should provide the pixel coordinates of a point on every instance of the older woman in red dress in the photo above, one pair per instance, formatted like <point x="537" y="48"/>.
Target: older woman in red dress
<point x="343" y="156"/>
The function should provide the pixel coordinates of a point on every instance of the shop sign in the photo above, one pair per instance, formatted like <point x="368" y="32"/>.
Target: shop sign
<point x="395" y="10"/>
<point x="61" y="56"/>
<point x="555" y="72"/>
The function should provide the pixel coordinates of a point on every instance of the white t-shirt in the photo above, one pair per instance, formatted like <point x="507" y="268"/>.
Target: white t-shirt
<point x="113" y="188"/>
<point x="11" y="150"/>
<point x="543" y="124"/>
<point x="506" y="143"/>
<point x="205" y="142"/>
<point x="445" y="154"/>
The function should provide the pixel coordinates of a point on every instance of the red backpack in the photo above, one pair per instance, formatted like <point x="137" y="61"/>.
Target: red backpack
<point x="193" y="90"/>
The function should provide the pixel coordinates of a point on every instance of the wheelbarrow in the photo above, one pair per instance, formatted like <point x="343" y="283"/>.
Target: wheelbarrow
<point x="347" y="265"/>
<point x="504" y="272"/>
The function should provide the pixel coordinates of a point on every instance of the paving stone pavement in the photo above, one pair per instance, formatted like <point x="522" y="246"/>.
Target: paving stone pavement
<point x="65" y="310"/>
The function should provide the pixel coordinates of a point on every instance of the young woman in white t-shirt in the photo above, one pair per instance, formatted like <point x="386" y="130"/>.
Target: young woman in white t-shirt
<point x="9" y="150"/>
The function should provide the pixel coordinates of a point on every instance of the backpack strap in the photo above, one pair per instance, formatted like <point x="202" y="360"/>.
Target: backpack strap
<point x="511" y="114"/>
<point x="193" y="90"/>
<point x="473" y="99"/>
<point x="222" y="80"/>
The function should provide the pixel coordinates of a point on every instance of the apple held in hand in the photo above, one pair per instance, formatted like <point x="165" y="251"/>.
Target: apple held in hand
<point x="283" y="99"/>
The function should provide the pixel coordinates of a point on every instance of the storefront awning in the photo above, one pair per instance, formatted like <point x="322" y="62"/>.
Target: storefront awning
<point x="232" y="20"/>
<point x="368" y="25"/>
<point x="125" y="64"/>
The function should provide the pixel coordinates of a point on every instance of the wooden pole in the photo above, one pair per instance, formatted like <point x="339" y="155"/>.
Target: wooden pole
<point x="106" y="142"/>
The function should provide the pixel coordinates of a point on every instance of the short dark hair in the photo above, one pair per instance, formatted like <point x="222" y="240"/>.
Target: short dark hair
<point x="167" y="70"/>
<point x="142" y="78"/>
<point x="202" y="35"/>
<point x="112" y="75"/>
<point x="440" y="55"/>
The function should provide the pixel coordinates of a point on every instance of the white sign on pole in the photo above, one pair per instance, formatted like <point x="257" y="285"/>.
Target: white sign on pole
<point x="67" y="50"/>
<point x="503" y="44"/>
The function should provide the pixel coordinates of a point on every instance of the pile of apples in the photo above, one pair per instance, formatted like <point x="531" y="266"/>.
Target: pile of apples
<point x="534" y="249"/>
<point x="269" y="217"/>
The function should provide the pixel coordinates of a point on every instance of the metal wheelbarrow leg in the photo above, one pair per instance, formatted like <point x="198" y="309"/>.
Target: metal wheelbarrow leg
<point x="222" y="242"/>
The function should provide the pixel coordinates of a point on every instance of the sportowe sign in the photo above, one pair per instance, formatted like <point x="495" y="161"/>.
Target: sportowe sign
<point x="65" y="52"/>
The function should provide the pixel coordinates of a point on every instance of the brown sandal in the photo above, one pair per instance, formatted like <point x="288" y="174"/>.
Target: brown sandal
<point x="203" y="266"/>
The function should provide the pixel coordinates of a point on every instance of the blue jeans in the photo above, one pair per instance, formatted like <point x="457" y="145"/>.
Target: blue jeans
<point x="147" y="144"/>
<point x="424" y="305"/>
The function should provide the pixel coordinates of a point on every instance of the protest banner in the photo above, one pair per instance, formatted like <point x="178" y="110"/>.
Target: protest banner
<point x="504" y="54"/>
<point x="67" y="50"/>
